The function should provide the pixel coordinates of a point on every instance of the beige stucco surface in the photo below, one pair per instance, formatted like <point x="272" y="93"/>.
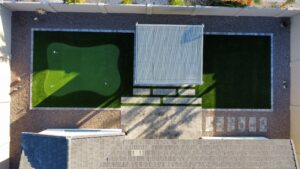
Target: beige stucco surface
<point x="295" y="82"/>
<point x="5" y="48"/>
<point x="5" y="31"/>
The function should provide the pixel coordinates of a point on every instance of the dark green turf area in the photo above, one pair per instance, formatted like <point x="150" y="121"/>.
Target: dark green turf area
<point x="237" y="72"/>
<point x="85" y="69"/>
<point x="81" y="69"/>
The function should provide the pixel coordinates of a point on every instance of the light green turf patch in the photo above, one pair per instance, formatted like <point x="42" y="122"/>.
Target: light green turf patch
<point x="72" y="69"/>
<point x="75" y="69"/>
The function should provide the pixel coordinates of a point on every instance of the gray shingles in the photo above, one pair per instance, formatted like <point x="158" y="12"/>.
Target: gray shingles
<point x="117" y="153"/>
<point x="44" y="152"/>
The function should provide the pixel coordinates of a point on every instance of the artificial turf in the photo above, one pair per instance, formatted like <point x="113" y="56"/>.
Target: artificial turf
<point x="77" y="69"/>
<point x="80" y="69"/>
<point x="236" y="72"/>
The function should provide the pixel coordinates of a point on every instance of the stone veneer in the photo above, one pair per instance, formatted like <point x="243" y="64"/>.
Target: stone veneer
<point x="241" y="124"/>
<point x="24" y="119"/>
<point x="219" y="123"/>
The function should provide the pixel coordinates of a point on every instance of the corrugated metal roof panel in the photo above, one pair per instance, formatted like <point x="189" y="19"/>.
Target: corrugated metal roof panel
<point x="168" y="55"/>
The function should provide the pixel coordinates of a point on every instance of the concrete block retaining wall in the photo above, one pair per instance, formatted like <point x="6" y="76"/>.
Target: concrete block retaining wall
<point x="150" y="7"/>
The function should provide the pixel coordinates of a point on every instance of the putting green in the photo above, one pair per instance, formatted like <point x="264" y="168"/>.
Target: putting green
<point x="76" y="66"/>
<point x="81" y="69"/>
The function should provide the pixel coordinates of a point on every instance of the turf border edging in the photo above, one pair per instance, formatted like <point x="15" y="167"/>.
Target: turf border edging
<point x="130" y="31"/>
<point x="271" y="35"/>
<point x="33" y="30"/>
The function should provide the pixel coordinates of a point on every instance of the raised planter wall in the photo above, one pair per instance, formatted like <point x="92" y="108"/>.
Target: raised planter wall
<point x="100" y="7"/>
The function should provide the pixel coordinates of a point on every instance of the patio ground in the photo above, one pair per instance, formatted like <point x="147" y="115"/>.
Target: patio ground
<point x="24" y="119"/>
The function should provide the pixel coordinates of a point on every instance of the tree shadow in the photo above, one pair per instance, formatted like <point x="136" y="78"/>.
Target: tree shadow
<point x="4" y="163"/>
<point x="34" y="148"/>
<point x="160" y="122"/>
<point x="39" y="120"/>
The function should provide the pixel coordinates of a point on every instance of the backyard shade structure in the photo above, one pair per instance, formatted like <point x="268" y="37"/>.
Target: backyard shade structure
<point x="168" y="55"/>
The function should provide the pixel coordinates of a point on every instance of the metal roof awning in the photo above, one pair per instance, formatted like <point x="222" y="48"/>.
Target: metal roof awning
<point x="168" y="55"/>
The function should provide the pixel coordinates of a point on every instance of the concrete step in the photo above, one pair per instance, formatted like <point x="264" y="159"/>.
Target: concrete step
<point x="164" y="92"/>
<point x="141" y="91"/>
<point x="140" y="100"/>
<point x="182" y="100"/>
<point x="187" y="92"/>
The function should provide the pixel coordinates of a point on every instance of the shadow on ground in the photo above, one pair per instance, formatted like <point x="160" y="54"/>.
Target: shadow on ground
<point x="38" y="120"/>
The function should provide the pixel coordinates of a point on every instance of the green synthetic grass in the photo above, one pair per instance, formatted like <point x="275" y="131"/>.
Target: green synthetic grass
<point x="76" y="66"/>
<point x="236" y="72"/>
<point x="76" y="69"/>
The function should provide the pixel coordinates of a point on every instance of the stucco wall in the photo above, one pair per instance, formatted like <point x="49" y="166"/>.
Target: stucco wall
<point x="5" y="48"/>
<point x="295" y="82"/>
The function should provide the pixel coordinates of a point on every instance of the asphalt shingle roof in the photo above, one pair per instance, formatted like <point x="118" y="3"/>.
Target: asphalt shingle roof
<point x="49" y="152"/>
